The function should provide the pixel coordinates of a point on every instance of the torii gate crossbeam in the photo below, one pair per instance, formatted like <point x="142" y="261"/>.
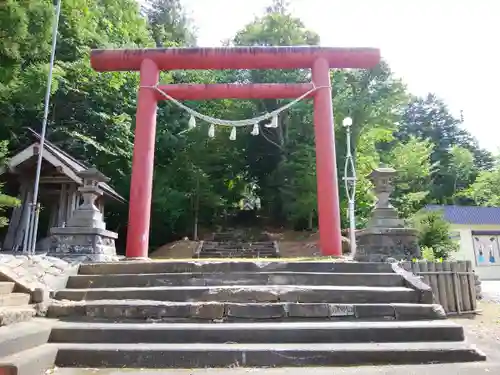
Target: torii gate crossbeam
<point x="151" y="61"/>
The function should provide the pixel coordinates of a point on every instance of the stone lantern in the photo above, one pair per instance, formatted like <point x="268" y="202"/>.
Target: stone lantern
<point x="385" y="235"/>
<point x="384" y="213"/>
<point x="85" y="235"/>
<point x="87" y="214"/>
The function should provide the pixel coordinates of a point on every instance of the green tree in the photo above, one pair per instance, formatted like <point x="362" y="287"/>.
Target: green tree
<point x="168" y="23"/>
<point x="429" y="118"/>
<point x="485" y="190"/>
<point x="461" y="166"/>
<point x="6" y="201"/>
<point x="434" y="233"/>
<point x="414" y="173"/>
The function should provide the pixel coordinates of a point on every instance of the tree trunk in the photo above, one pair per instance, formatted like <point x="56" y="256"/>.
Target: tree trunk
<point x="310" y="221"/>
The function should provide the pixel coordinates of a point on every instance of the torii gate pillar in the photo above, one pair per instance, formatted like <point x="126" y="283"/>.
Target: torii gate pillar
<point x="151" y="61"/>
<point x="326" y="168"/>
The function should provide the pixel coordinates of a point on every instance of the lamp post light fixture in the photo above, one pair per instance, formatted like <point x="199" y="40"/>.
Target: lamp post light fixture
<point x="350" y="185"/>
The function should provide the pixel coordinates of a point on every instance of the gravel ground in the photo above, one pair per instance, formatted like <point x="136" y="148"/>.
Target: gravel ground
<point x="491" y="290"/>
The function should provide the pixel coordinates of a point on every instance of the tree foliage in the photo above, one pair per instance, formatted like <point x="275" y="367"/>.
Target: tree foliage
<point x="199" y="180"/>
<point x="434" y="233"/>
<point x="6" y="201"/>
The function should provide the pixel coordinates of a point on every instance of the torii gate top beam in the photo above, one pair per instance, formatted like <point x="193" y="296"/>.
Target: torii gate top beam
<point x="234" y="58"/>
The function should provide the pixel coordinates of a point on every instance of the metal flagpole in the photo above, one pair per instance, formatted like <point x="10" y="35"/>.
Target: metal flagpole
<point x="350" y="186"/>
<point x="32" y="222"/>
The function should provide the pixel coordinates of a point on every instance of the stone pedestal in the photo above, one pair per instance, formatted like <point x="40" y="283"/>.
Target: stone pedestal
<point x="379" y="244"/>
<point x="385" y="236"/>
<point x="85" y="237"/>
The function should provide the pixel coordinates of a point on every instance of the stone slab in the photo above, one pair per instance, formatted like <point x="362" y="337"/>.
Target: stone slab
<point x="163" y="310"/>
<point x="268" y="332"/>
<point x="414" y="282"/>
<point x="256" y="311"/>
<point x="35" y="361"/>
<point x="243" y="278"/>
<point x="16" y="314"/>
<point x="14" y="299"/>
<point x="37" y="275"/>
<point x="379" y="244"/>
<point x="6" y="287"/>
<point x="239" y="294"/>
<point x="23" y="336"/>
<point x="138" y="267"/>
<point x="260" y="355"/>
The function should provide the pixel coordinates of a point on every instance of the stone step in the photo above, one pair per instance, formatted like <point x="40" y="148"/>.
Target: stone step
<point x="136" y="267"/>
<point x="14" y="299"/>
<point x="236" y="250"/>
<point x="23" y="336"/>
<point x="271" y="332"/>
<point x="242" y="294"/>
<point x="6" y="287"/>
<point x="39" y="360"/>
<point x="119" y="310"/>
<point x="212" y="255"/>
<point x="241" y="278"/>
<point x="238" y="246"/>
<point x="260" y="355"/>
<point x="16" y="314"/>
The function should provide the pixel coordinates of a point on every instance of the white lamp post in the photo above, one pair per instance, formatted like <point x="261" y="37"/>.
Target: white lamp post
<point x="350" y="185"/>
<point x="31" y="229"/>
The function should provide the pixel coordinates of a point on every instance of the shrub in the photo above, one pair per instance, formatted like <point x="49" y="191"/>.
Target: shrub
<point x="434" y="234"/>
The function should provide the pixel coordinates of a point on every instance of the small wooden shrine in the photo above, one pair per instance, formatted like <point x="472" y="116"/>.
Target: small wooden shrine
<point x="58" y="192"/>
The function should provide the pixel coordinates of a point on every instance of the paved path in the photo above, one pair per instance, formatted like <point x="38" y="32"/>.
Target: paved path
<point x="455" y="369"/>
<point x="491" y="290"/>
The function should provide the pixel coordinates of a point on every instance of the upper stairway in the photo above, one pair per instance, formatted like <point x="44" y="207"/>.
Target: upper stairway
<point x="231" y="245"/>
<point x="176" y="314"/>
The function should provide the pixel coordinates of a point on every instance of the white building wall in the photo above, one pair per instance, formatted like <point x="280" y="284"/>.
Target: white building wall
<point x="466" y="250"/>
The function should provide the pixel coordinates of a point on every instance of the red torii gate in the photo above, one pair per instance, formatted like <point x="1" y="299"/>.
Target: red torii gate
<point x="151" y="61"/>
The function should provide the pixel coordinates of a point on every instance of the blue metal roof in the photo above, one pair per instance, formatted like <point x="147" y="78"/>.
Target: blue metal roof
<point x="469" y="215"/>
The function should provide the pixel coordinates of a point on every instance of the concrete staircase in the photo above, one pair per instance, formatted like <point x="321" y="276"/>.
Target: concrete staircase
<point x="14" y="307"/>
<point x="220" y="314"/>
<point x="237" y="249"/>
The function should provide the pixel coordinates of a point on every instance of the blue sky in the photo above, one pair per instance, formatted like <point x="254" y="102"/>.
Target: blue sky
<point x="442" y="46"/>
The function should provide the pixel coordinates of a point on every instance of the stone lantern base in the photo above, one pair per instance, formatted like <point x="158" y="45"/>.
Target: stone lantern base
<point x="378" y="244"/>
<point x="83" y="244"/>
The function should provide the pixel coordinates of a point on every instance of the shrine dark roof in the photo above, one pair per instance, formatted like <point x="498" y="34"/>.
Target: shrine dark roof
<point x="468" y="215"/>
<point x="59" y="158"/>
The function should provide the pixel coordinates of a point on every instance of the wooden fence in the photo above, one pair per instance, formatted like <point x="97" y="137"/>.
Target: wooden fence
<point x="453" y="284"/>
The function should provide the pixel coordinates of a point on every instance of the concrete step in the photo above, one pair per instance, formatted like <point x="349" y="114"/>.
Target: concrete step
<point x="242" y="294"/>
<point x="272" y="332"/>
<point x="260" y="355"/>
<point x="35" y="361"/>
<point x="16" y="314"/>
<point x="242" y="278"/>
<point x="121" y="310"/>
<point x="23" y="336"/>
<point x="14" y="299"/>
<point x="137" y="267"/>
<point x="6" y="287"/>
